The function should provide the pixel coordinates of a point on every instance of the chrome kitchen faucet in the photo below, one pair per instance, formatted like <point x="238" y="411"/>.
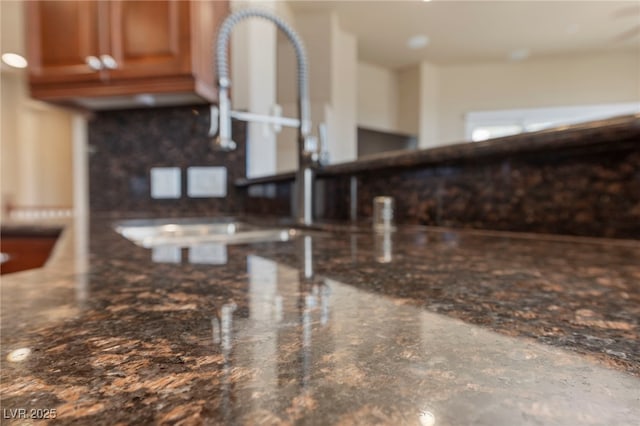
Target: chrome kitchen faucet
<point x="308" y="150"/>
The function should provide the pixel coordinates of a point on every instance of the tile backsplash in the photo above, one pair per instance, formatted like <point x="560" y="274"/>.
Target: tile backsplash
<point x="126" y="144"/>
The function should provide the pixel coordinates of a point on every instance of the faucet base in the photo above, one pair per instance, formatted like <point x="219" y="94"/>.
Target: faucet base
<point x="305" y="178"/>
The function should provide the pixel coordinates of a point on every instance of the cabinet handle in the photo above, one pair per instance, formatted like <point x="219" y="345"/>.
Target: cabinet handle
<point x="109" y="62"/>
<point x="93" y="62"/>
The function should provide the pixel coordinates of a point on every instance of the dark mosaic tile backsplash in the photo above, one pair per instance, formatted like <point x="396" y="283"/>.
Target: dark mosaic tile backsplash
<point x="587" y="189"/>
<point x="126" y="144"/>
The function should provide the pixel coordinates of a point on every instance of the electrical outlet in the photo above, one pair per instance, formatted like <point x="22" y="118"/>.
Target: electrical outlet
<point x="165" y="182"/>
<point x="166" y="254"/>
<point x="210" y="254"/>
<point x="205" y="182"/>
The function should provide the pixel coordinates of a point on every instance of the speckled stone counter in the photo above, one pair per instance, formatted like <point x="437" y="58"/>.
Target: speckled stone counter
<point x="577" y="180"/>
<point x="339" y="326"/>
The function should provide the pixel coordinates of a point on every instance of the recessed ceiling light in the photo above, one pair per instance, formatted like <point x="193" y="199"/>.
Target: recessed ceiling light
<point x="519" y="54"/>
<point x="14" y="60"/>
<point x="417" y="41"/>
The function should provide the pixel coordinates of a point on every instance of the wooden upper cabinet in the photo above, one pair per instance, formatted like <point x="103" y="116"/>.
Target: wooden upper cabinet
<point x="92" y="49"/>
<point x="62" y="39"/>
<point x="152" y="38"/>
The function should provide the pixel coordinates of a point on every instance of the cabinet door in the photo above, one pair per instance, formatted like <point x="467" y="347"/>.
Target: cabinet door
<point x="63" y="37"/>
<point x="149" y="38"/>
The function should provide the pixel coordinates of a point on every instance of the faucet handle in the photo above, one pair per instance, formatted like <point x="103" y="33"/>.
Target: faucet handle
<point x="219" y="143"/>
<point x="323" y="149"/>
<point x="215" y="116"/>
<point x="310" y="144"/>
<point x="310" y="150"/>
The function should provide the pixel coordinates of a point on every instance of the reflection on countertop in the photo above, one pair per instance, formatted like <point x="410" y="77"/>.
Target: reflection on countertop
<point x="334" y="327"/>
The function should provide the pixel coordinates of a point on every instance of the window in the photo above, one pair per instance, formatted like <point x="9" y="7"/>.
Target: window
<point x="482" y="133"/>
<point x="483" y="125"/>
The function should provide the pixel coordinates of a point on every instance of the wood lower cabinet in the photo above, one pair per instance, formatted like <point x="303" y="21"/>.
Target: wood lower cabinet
<point x="85" y="51"/>
<point x="26" y="247"/>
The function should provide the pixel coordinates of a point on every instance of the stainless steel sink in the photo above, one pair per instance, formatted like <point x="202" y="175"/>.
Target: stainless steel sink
<point x="186" y="232"/>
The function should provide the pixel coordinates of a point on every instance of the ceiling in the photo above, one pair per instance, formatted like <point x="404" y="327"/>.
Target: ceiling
<point x="462" y="32"/>
<point x="459" y="32"/>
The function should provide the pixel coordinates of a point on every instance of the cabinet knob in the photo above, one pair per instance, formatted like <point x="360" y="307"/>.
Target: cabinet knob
<point x="93" y="62"/>
<point x="109" y="62"/>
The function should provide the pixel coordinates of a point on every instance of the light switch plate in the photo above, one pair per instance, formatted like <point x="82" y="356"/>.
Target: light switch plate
<point x="211" y="254"/>
<point x="205" y="182"/>
<point x="166" y="254"/>
<point x="165" y="182"/>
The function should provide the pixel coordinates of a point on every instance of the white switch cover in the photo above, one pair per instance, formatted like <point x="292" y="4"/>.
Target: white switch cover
<point x="166" y="254"/>
<point x="210" y="254"/>
<point x="165" y="182"/>
<point x="203" y="182"/>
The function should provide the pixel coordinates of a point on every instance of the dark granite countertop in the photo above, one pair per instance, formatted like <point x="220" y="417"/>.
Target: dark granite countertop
<point x="341" y="326"/>
<point x="594" y="135"/>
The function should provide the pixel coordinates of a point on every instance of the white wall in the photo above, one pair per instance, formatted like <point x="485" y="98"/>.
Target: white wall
<point x="432" y="101"/>
<point x="253" y="63"/>
<point x="342" y="129"/>
<point x="35" y="149"/>
<point x="9" y="167"/>
<point x="378" y="96"/>
<point x="429" y="130"/>
<point x="315" y="32"/>
<point x="409" y="100"/>
<point x="576" y="80"/>
<point x="332" y="58"/>
<point x="401" y="101"/>
<point x="36" y="166"/>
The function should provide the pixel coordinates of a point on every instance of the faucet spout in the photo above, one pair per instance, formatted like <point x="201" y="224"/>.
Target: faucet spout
<point x="307" y="157"/>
